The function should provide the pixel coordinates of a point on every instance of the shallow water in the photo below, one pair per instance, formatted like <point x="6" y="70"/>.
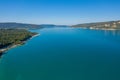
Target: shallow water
<point x="65" y="54"/>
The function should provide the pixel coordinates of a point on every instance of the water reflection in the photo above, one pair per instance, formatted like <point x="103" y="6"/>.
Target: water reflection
<point x="112" y="32"/>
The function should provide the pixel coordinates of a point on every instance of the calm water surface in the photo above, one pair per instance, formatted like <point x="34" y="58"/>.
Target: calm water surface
<point x="65" y="54"/>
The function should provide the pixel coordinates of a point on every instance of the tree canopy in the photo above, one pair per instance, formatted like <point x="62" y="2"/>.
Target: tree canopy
<point x="13" y="36"/>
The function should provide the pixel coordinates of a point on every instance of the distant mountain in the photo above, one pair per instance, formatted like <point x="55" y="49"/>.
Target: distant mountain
<point x="20" y="25"/>
<point x="51" y="25"/>
<point x="100" y="25"/>
<point x="14" y="25"/>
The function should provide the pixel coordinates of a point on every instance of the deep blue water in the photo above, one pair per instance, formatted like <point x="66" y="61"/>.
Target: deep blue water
<point x="65" y="54"/>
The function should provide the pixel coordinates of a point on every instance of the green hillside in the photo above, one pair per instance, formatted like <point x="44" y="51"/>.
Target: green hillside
<point x="100" y="25"/>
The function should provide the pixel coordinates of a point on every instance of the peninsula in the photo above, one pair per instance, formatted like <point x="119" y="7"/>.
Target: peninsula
<point x="11" y="37"/>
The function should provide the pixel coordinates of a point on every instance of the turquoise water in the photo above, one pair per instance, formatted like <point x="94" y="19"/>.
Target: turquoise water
<point x="65" y="54"/>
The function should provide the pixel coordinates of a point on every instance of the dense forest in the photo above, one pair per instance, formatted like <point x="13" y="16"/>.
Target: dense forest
<point x="13" y="36"/>
<point x="100" y="25"/>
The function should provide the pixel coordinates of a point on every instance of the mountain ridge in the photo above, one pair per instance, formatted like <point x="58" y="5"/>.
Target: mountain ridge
<point x="14" y="25"/>
<point x="100" y="25"/>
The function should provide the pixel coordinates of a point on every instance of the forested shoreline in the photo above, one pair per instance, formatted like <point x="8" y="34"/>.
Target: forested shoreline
<point x="110" y="25"/>
<point x="11" y="37"/>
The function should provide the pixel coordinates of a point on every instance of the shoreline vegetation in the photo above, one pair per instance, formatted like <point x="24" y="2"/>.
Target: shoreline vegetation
<point x="110" y="25"/>
<point x="15" y="34"/>
<point x="17" y="41"/>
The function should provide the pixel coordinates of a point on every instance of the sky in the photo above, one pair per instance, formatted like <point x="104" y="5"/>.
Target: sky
<point x="60" y="12"/>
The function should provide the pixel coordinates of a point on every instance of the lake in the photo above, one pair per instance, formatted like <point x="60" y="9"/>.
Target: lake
<point x="65" y="54"/>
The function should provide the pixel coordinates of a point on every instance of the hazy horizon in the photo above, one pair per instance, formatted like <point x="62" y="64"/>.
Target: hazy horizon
<point x="59" y="12"/>
<point x="59" y="24"/>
